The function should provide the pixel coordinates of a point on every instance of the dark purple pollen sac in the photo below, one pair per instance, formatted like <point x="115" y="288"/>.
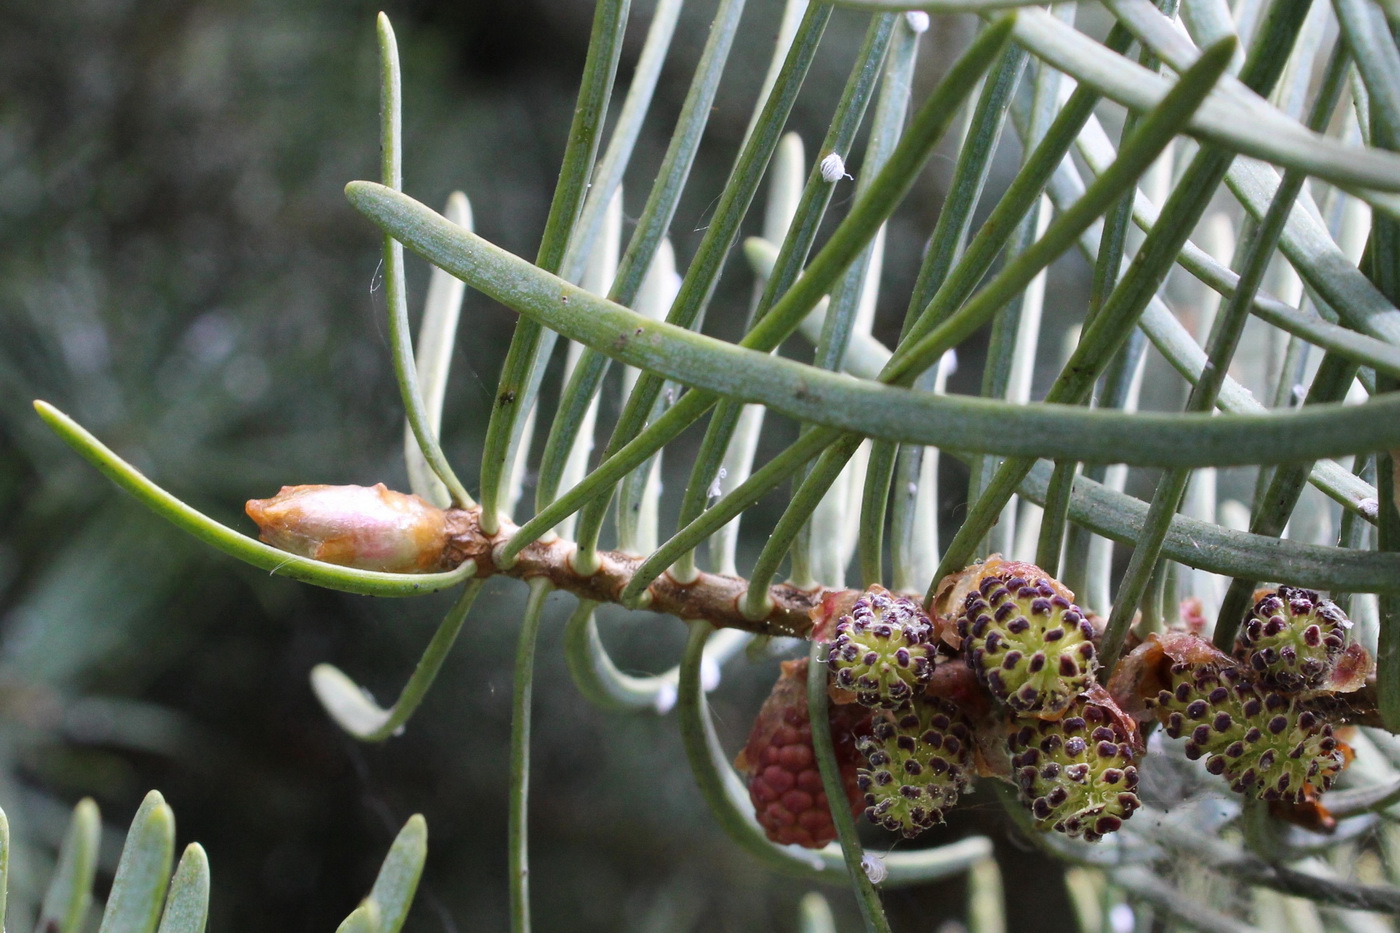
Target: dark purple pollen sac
<point x="1253" y="708"/>
<point x="902" y="657"/>
<point x="1019" y="625"/>
<point x="1234" y="750"/>
<point x="1216" y="765"/>
<point x="1221" y="722"/>
<point x="1041" y="606"/>
<point x="1307" y="720"/>
<point x="1278" y="724"/>
<point x="1218" y="695"/>
<point x="1068" y="666"/>
<point x="1201" y="735"/>
<point x="871" y="658"/>
<point x="1072" y="724"/>
<point x="1253" y="735"/>
<point x="1075" y="746"/>
<point x="1037" y="663"/>
<point x="1102" y="734"/>
<point x="1054" y="634"/>
<point x="1011" y="659"/>
<point x="1197" y="709"/>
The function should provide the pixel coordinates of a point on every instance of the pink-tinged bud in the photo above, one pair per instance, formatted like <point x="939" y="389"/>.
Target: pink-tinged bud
<point x="367" y="527"/>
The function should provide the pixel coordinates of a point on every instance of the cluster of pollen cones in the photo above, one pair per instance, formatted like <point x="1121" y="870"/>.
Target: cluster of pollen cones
<point x="999" y="678"/>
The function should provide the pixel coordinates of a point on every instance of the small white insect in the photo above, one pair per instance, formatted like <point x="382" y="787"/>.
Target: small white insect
<point x="717" y="487"/>
<point x="874" y="867"/>
<point x="833" y="168"/>
<point x="917" y="20"/>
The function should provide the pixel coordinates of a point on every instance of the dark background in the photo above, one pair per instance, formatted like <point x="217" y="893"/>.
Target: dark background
<point x="180" y="272"/>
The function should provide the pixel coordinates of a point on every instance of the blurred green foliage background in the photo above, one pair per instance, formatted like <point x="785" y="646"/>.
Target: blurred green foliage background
<point x="180" y="272"/>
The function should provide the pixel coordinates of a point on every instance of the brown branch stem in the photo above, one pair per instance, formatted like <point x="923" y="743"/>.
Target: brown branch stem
<point x="715" y="598"/>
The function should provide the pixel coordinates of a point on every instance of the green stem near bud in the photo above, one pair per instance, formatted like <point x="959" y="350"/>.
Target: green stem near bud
<point x="866" y="896"/>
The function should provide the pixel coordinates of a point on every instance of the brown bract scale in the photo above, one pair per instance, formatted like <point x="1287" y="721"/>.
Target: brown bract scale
<point x="780" y="765"/>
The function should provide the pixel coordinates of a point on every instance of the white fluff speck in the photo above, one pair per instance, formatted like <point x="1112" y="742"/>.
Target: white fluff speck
<point x="1121" y="918"/>
<point x="949" y="361"/>
<point x="874" y="867"/>
<point x="717" y="487"/>
<point x="709" y="674"/>
<point x="665" y="699"/>
<point x="833" y="168"/>
<point x="917" y="20"/>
